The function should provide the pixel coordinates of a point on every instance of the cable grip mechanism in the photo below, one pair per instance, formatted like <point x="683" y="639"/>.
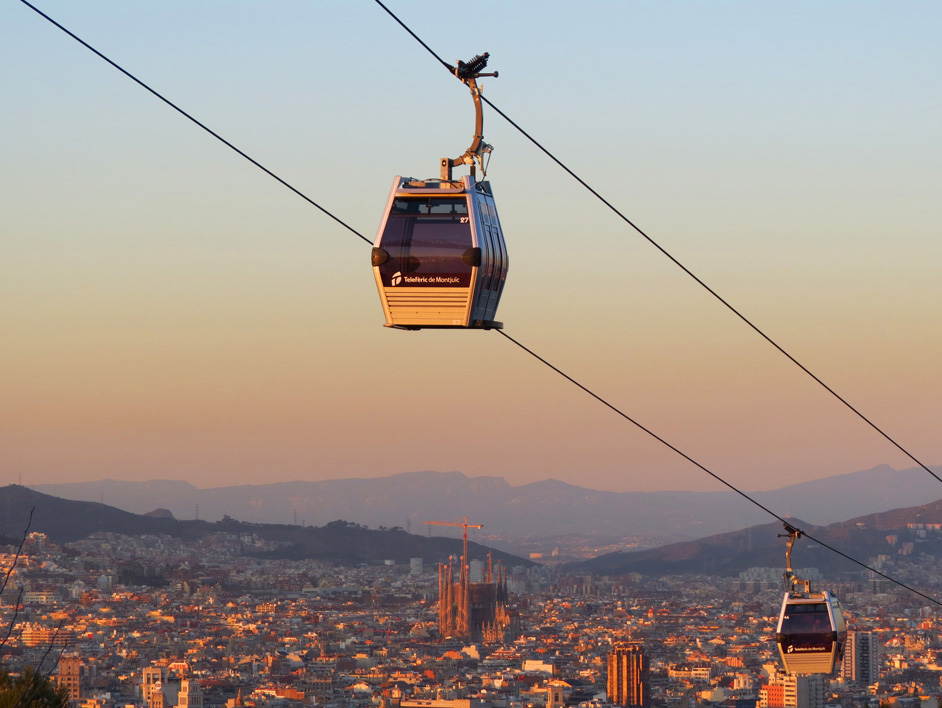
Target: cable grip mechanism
<point x="792" y="581"/>
<point x="468" y="72"/>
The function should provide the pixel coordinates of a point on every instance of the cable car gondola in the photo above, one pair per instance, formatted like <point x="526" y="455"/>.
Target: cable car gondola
<point x="811" y="629"/>
<point x="811" y="632"/>
<point x="439" y="258"/>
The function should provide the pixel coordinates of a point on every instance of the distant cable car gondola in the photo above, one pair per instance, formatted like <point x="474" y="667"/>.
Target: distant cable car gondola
<point x="439" y="258"/>
<point x="811" y="628"/>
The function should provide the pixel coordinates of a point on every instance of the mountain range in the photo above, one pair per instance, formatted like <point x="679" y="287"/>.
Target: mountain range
<point x="900" y="536"/>
<point x="343" y="542"/>
<point x="911" y="535"/>
<point x="547" y="509"/>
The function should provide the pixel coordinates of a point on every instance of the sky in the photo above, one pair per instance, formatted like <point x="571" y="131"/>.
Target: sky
<point x="168" y="311"/>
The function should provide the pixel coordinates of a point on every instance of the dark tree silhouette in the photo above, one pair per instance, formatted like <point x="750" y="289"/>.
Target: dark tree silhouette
<point x="30" y="690"/>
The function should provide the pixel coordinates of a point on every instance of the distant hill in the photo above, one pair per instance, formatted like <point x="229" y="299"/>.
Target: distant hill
<point x="65" y="520"/>
<point x="728" y="554"/>
<point x="864" y="537"/>
<point x="542" y="509"/>
<point x="340" y="541"/>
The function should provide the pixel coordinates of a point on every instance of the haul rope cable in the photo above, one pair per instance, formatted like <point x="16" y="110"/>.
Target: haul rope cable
<point x="663" y="441"/>
<point x="715" y="476"/>
<point x="194" y="120"/>
<point x="675" y="261"/>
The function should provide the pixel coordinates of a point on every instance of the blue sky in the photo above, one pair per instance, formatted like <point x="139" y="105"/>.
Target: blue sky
<point x="171" y="312"/>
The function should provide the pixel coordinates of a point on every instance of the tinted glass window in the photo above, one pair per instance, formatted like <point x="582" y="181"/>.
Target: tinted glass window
<point x="811" y="618"/>
<point x="425" y="238"/>
<point x="485" y="216"/>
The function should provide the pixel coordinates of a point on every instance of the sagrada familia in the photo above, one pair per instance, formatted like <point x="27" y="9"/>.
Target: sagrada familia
<point x="476" y="612"/>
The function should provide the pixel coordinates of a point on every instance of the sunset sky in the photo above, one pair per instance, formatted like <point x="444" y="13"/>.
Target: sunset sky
<point x="169" y="311"/>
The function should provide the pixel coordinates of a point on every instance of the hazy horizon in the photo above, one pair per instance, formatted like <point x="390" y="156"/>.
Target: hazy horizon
<point x="26" y="483"/>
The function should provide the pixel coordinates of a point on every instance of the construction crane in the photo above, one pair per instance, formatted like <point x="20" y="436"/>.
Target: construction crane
<point x="463" y="524"/>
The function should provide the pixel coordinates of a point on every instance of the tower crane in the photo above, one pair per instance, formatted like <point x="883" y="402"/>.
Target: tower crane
<point x="463" y="524"/>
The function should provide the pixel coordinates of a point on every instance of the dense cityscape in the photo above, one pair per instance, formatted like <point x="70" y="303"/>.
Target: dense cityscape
<point x="154" y="622"/>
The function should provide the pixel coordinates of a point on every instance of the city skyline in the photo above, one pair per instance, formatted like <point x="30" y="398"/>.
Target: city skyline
<point x="259" y="628"/>
<point x="171" y="312"/>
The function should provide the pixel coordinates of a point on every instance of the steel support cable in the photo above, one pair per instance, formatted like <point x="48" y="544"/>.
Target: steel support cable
<point x="676" y="262"/>
<point x="197" y="122"/>
<point x="415" y="37"/>
<point x="702" y="467"/>
<point x="529" y="351"/>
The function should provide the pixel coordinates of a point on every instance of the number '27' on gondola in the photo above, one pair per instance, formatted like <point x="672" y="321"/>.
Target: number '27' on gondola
<point x="440" y="259"/>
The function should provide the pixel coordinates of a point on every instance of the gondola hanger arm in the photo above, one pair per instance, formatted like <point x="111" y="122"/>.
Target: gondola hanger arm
<point x="792" y="580"/>
<point x="468" y="73"/>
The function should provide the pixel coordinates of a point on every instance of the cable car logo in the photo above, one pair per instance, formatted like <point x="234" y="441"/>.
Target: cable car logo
<point x="396" y="278"/>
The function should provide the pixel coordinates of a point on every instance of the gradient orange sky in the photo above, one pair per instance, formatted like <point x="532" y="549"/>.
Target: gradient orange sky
<point x="168" y="311"/>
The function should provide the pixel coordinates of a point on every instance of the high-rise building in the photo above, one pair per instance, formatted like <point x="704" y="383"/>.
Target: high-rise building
<point x="793" y="691"/>
<point x="152" y="681"/>
<point x="191" y="694"/>
<point x="628" y="675"/>
<point x="415" y="566"/>
<point x="861" y="659"/>
<point x="70" y="675"/>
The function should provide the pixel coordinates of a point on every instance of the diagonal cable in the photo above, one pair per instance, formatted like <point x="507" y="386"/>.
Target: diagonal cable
<point x="702" y="467"/>
<point x="415" y="37"/>
<point x="676" y="262"/>
<point x="197" y="122"/>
